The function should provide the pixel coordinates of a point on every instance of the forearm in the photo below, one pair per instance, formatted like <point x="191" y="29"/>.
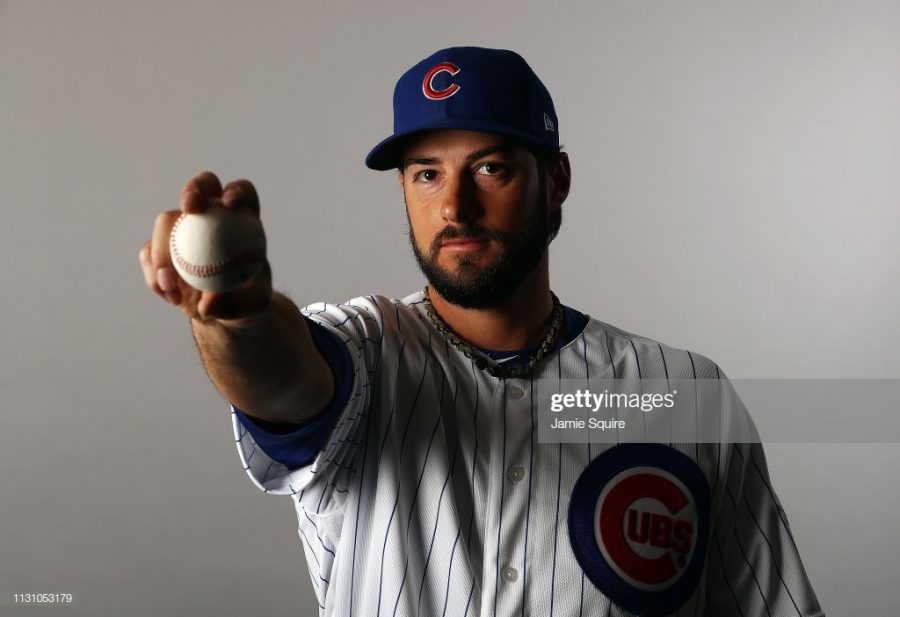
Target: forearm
<point x="268" y="365"/>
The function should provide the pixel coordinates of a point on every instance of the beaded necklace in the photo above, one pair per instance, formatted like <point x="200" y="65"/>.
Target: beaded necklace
<point x="488" y="364"/>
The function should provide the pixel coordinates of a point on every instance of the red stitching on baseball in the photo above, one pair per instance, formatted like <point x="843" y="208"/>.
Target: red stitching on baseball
<point x="216" y="267"/>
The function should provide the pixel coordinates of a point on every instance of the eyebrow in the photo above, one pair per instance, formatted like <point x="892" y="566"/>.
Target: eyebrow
<point x="504" y="148"/>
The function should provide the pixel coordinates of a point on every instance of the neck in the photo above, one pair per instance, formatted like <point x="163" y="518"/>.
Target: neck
<point x="520" y="321"/>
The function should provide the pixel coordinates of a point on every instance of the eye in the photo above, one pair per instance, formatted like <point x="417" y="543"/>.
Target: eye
<point x="426" y="175"/>
<point x="490" y="169"/>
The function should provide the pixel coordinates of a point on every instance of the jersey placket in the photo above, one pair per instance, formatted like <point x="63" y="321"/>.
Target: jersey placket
<point x="508" y="485"/>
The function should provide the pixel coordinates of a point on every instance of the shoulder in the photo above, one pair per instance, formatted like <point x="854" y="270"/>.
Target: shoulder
<point x="636" y="355"/>
<point x="375" y="325"/>
<point x="374" y="307"/>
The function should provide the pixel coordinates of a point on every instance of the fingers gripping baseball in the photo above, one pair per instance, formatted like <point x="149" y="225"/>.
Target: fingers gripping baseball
<point x="241" y="194"/>
<point x="208" y="257"/>
<point x="199" y="191"/>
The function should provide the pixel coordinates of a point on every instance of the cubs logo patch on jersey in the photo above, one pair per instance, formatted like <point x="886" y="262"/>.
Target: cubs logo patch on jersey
<point x="638" y="525"/>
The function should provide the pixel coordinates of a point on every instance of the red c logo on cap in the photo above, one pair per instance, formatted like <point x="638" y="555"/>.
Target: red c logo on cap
<point x="436" y="95"/>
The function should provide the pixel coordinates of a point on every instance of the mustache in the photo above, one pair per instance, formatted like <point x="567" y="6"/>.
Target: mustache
<point x="467" y="232"/>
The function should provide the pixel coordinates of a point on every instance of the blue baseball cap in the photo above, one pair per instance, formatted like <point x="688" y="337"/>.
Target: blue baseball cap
<point x="469" y="88"/>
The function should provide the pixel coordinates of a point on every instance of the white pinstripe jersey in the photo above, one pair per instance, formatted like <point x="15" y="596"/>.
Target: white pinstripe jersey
<point x="433" y="497"/>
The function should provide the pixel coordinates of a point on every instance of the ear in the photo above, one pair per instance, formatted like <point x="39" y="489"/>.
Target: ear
<point x="559" y="180"/>
<point x="400" y="177"/>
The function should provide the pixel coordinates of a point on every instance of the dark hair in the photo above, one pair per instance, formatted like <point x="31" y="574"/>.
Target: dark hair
<point x="546" y="157"/>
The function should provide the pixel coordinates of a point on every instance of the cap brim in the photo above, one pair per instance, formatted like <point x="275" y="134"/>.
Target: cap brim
<point x="386" y="155"/>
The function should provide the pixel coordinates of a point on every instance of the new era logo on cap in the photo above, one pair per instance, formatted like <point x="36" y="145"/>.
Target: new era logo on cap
<point x="548" y="123"/>
<point x="469" y="88"/>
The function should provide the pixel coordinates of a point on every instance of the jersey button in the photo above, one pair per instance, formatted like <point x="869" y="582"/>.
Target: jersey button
<point x="515" y="393"/>
<point x="510" y="575"/>
<point x="516" y="474"/>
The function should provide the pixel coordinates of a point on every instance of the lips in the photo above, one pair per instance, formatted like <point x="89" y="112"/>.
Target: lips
<point x="464" y="244"/>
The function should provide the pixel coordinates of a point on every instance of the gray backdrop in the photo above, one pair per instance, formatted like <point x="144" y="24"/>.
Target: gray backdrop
<point x="735" y="192"/>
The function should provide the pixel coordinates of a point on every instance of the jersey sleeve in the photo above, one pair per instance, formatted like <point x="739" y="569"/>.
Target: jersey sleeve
<point x="319" y="457"/>
<point x="295" y="446"/>
<point x="754" y="565"/>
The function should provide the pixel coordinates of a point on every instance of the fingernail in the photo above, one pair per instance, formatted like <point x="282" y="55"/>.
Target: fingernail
<point x="165" y="278"/>
<point x="192" y="198"/>
<point x="232" y="195"/>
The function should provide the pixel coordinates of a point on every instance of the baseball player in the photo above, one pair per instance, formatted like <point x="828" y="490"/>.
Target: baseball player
<point x="405" y="431"/>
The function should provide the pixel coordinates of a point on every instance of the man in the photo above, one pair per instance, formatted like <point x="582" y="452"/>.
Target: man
<point x="405" y="430"/>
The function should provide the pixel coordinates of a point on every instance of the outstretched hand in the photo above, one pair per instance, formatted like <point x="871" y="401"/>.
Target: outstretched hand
<point x="198" y="194"/>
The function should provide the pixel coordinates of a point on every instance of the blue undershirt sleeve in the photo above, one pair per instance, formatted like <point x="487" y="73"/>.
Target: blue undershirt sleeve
<point x="297" y="445"/>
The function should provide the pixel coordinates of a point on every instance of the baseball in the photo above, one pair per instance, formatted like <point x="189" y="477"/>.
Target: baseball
<point x="218" y="250"/>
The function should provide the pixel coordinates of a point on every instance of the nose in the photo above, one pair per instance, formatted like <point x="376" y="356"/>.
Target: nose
<point x="459" y="200"/>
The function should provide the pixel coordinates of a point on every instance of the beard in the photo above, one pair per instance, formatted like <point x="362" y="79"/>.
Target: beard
<point x="469" y="286"/>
